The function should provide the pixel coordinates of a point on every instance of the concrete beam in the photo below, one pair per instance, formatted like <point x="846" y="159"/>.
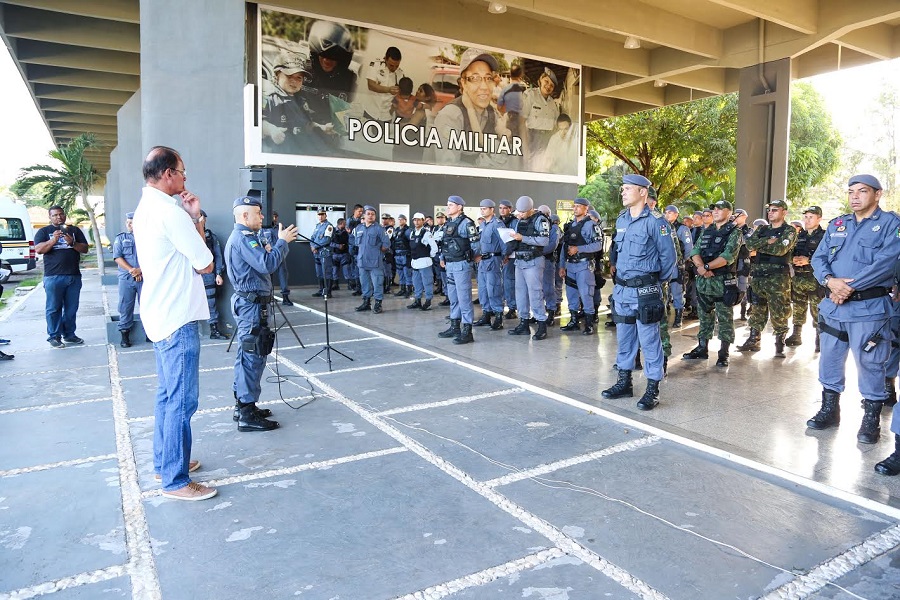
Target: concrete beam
<point x="80" y="94"/>
<point x="104" y="130"/>
<point x="626" y="107"/>
<point x="600" y="106"/>
<point x="77" y="107"/>
<point x="82" y="78"/>
<point x="800" y="15"/>
<point x="46" y="26"/>
<point x="710" y="80"/>
<point x="826" y="59"/>
<point x="128" y="11"/>
<point x="876" y="40"/>
<point x="91" y="59"/>
<point x="644" y="94"/>
<point x="67" y="117"/>
<point x="678" y="95"/>
<point x="628" y="17"/>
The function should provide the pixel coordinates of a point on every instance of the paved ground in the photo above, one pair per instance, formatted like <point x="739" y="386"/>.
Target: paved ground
<point x="426" y="470"/>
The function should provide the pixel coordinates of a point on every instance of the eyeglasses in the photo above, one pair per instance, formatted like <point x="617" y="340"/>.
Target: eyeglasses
<point x="773" y="209"/>
<point x="182" y="171"/>
<point x="479" y="78"/>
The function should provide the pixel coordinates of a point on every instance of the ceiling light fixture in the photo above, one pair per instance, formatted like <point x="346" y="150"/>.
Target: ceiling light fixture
<point x="497" y="8"/>
<point x="632" y="43"/>
<point x="659" y="83"/>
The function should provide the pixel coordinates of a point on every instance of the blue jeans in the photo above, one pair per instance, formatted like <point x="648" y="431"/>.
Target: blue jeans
<point x="177" y="397"/>
<point x="63" y="293"/>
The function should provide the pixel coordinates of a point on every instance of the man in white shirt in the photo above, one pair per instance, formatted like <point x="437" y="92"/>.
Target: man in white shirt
<point x="382" y="84"/>
<point x="173" y="255"/>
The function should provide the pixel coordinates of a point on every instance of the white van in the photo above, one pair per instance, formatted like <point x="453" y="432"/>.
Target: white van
<point x="17" y="236"/>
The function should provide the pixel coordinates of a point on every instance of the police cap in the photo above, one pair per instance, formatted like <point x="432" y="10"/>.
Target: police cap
<point x="129" y="215"/>
<point x="672" y="208"/>
<point x="543" y="208"/>
<point x="401" y="217"/>
<point x="778" y="204"/>
<point x="634" y="179"/>
<point x="524" y="204"/>
<point x="385" y="216"/>
<point x="869" y="180"/>
<point x="593" y="214"/>
<point x="740" y="211"/>
<point x="321" y="212"/>
<point x="816" y="210"/>
<point x="723" y="204"/>
<point x="582" y="202"/>
<point x="554" y="219"/>
<point x="760" y="222"/>
<point x="506" y="203"/>
<point x="487" y="203"/>
<point x="418" y="216"/>
<point x="246" y="201"/>
<point x="651" y="192"/>
<point x="369" y="207"/>
<point x="456" y="200"/>
<point x="551" y="75"/>
<point x="474" y="54"/>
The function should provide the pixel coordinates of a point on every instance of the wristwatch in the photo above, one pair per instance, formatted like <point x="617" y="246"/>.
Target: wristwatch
<point x="197" y="220"/>
<point x="706" y="266"/>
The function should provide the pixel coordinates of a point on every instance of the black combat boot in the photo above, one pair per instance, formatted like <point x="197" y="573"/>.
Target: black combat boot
<point x="870" y="428"/>
<point x="357" y="289"/>
<point x="400" y="292"/>
<point x="891" y="465"/>
<point x="572" y="325"/>
<point x="366" y="305"/>
<point x="236" y="415"/>
<point x="452" y="331"/>
<point x="891" y="388"/>
<point x="795" y="339"/>
<point x="589" y="321"/>
<point x="830" y="413"/>
<point x="126" y="339"/>
<point x="550" y="316"/>
<point x="723" y="355"/>
<point x="779" y="345"/>
<point x="541" y="333"/>
<point x="465" y="335"/>
<point x="651" y="396"/>
<point x="285" y="299"/>
<point x="523" y="328"/>
<point x="622" y="387"/>
<point x="416" y="304"/>
<point x="752" y="343"/>
<point x="498" y="321"/>
<point x="701" y="351"/>
<point x="377" y="309"/>
<point x="484" y="320"/>
<point x="610" y="324"/>
<point x="679" y="317"/>
<point x="512" y="314"/>
<point x="250" y="419"/>
<point x="215" y="334"/>
<point x="321" y="291"/>
<point x="426" y="305"/>
<point x="444" y="302"/>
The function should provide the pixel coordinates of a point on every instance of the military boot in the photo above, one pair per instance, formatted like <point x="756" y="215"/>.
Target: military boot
<point x="779" y="345"/>
<point x="679" y="316"/>
<point x="126" y="339"/>
<point x="830" y="413"/>
<point x="377" y="310"/>
<point x="416" y="304"/>
<point x="551" y="315"/>
<point x="236" y="415"/>
<point x="701" y="351"/>
<point x="498" y="321"/>
<point x="588" y="325"/>
<point x="523" y="328"/>
<point x="484" y="320"/>
<point x="621" y="389"/>
<point x="752" y="342"/>
<point x="541" y="333"/>
<point x="795" y="339"/>
<point x="215" y="334"/>
<point x="512" y="314"/>
<point x="321" y="291"/>
<point x="870" y="428"/>
<point x="357" y="289"/>
<point x="891" y="465"/>
<point x="285" y="299"/>
<point x="426" y="305"/>
<point x="572" y="325"/>
<point x="891" y="388"/>
<point x="651" y="396"/>
<point x="250" y="419"/>
<point x="453" y="330"/>
<point x="465" y="335"/>
<point x="444" y="302"/>
<point x="366" y="305"/>
<point x="723" y="355"/>
<point x="401" y="292"/>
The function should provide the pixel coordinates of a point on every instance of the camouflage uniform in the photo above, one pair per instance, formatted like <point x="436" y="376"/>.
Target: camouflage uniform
<point x="770" y="271"/>
<point x="805" y="290"/>
<point x="711" y="290"/>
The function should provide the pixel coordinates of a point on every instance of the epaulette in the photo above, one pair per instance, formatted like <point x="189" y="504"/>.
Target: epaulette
<point x="656" y="213"/>
<point x="840" y="218"/>
<point x="624" y="210"/>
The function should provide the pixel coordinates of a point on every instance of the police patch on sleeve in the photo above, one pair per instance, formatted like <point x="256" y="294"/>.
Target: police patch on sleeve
<point x="598" y="231"/>
<point x="664" y="230"/>
<point x="471" y="229"/>
<point x="253" y="243"/>
<point x="544" y="226"/>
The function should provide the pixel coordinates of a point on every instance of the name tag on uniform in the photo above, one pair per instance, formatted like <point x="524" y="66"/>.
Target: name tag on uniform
<point x="839" y="234"/>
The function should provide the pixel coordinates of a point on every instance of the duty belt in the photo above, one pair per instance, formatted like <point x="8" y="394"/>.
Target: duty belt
<point x="803" y="269"/>
<point x="489" y="255"/>
<point x="868" y="294"/>
<point x="254" y="297"/>
<point x="639" y="281"/>
<point x="577" y="259"/>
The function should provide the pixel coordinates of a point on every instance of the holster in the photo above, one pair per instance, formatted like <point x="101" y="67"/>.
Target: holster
<point x="261" y="341"/>
<point x="732" y="296"/>
<point x="651" y="308"/>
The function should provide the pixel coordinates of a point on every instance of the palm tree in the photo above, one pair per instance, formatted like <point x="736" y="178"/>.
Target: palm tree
<point x="63" y="185"/>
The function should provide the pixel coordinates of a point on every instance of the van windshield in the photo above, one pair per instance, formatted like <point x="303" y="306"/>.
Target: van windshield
<point x="11" y="230"/>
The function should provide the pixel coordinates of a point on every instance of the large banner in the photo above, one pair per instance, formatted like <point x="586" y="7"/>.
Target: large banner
<point x="349" y="95"/>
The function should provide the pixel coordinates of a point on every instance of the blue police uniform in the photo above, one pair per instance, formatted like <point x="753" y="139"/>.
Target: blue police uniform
<point x="372" y="242"/>
<point x="683" y="236"/>
<point x="269" y="236"/>
<point x="400" y="248"/>
<point x="209" y="281"/>
<point x="530" y="261"/>
<point x="491" y="250"/>
<point x="340" y="256"/>
<point x="551" y="298"/>
<point x="387" y="262"/>
<point x="645" y="255"/>
<point x="352" y="224"/>
<point x="509" y="269"/>
<point x="585" y="236"/>
<point x="129" y="289"/>
<point x="865" y="251"/>
<point x="460" y="234"/>
<point x="321" y="249"/>
<point x="250" y="267"/>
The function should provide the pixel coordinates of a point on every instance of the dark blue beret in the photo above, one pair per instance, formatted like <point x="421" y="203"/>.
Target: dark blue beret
<point x="636" y="180"/>
<point x="868" y="180"/>
<point x="246" y="201"/>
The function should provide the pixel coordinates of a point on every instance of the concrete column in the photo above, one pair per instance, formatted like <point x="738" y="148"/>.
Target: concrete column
<point x="764" y="116"/>
<point x="124" y="182"/>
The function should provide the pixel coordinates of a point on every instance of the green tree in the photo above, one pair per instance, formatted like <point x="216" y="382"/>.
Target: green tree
<point x="63" y="185"/>
<point x="814" y="147"/>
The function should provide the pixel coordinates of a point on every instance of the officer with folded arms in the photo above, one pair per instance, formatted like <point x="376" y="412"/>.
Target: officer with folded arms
<point x="250" y="267"/>
<point x="855" y="261"/>
<point x="644" y="258"/>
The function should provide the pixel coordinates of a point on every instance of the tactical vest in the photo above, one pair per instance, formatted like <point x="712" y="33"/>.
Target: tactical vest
<point x="808" y="242"/>
<point x="208" y="238"/>
<point x="416" y="248"/>
<point x="712" y="245"/>
<point x="528" y="228"/>
<point x="457" y="246"/>
<point x="770" y="259"/>
<point x="400" y="243"/>
<point x="674" y="229"/>
<point x="573" y="235"/>
<point x="507" y="219"/>
<point x="744" y="252"/>
<point x="489" y="127"/>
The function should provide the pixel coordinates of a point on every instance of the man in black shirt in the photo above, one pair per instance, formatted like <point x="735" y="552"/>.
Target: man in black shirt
<point x="61" y="247"/>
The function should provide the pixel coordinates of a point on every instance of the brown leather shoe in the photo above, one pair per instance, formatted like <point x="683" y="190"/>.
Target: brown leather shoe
<point x="192" y="491"/>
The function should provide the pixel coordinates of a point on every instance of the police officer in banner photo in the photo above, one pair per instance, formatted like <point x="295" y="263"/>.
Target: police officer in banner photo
<point x="581" y="240"/>
<point x="250" y="266"/>
<point x="460" y="235"/>
<point x="320" y="247"/>
<point x="644" y="258"/>
<point x="130" y="279"/>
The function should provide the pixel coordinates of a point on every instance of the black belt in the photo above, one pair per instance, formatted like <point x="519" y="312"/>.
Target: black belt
<point x="841" y="335"/>
<point x="803" y="269"/>
<point x="638" y="281"/>
<point x="875" y="292"/>
<point x="489" y="255"/>
<point x="253" y="297"/>
<point x="572" y="259"/>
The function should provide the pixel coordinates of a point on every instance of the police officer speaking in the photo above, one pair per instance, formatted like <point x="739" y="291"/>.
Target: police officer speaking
<point x="644" y="257"/>
<point x="856" y="261"/>
<point x="130" y="279"/>
<point x="581" y="239"/>
<point x="249" y="268"/>
<point x="321" y="250"/>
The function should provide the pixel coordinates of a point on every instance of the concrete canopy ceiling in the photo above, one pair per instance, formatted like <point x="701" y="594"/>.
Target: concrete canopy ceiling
<point x="81" y="59"/>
